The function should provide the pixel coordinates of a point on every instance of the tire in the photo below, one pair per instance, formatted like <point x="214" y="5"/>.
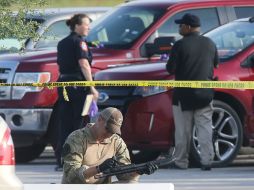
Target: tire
<point x="227" y="136"/>
<point x="143" y="156"/>
<point x="26" y="154"/>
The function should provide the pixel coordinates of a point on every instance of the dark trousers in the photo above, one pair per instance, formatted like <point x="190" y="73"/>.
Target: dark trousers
<point x="70" y="118"/>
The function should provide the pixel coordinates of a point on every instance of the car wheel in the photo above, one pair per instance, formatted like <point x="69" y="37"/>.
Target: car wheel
<point x="227" y="135"/>
<point x="138" y="157"/>
<point x="26" y="154"/>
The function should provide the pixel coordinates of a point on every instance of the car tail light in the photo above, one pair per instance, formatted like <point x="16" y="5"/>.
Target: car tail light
<point x="7" y="156"/>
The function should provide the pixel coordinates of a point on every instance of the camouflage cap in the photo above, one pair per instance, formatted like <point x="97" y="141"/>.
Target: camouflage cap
<point x="114" y="119"/>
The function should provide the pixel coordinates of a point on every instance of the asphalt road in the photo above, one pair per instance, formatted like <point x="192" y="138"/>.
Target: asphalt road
<point x="240" y="175"/>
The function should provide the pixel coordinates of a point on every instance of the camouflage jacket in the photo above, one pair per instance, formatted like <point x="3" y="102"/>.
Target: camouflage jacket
<point x="81" y="151"/>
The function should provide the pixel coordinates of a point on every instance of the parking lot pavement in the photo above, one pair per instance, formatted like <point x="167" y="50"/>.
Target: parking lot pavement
<point x="238" y="176"/>
<point x="219" y="178"/>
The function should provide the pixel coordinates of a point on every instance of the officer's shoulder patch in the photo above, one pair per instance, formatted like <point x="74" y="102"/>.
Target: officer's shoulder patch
<point x="66" y="149"/>
<point x="83" y="46"/>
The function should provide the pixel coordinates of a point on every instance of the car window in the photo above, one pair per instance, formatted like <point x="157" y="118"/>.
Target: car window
<point x="95" y="16"/>
<point x="121" y="28"/>
<point x="52" y="35"/>
<point x="243" y="12"/>
<point x="232" y="38"/>
<point x="169" y="28"/>
<point x="10" y="45"/>
<point x="13" y="44"/>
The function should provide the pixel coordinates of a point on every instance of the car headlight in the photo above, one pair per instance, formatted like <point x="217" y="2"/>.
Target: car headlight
<point x="149" y="90"/>
<point x="18" y="92"/>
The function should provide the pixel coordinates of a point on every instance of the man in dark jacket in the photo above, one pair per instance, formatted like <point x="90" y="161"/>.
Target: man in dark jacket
<point x="192" y="58"/>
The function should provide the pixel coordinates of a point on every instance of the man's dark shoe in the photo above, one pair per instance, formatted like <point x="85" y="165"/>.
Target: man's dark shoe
<point x="206" y="167"/>
<point x="173" y="165"/>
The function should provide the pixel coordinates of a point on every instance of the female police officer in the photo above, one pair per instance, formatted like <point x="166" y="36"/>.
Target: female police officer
<point x="74" y="59"/>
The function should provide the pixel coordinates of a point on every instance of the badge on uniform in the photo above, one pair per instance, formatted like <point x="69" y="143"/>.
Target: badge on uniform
<point x="83" y="46"/>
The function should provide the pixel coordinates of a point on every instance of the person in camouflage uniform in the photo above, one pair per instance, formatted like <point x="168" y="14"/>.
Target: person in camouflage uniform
<point x="90" y="151"/>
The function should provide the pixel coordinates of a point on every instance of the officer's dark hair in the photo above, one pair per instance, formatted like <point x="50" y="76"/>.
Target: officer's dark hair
<point x="76" y="19"/>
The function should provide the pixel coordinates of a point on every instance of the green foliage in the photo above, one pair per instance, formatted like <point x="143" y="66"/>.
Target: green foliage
<point x="83" y="3"/>
<point x="14" y="23"/>
<point x="6" y="3"/>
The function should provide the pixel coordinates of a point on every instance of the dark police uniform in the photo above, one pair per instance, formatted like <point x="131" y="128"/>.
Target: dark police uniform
<point x="69" y="51"/>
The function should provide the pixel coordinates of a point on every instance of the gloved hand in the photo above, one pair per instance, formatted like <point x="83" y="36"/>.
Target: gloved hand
<point x="107" y="164"/>
<point x="150" y="168"/>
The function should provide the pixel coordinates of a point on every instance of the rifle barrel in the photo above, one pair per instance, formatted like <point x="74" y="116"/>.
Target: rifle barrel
<point x="123" y="169"/>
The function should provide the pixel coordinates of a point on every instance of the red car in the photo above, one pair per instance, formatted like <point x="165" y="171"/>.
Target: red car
<point x="126" y="35"/>
<point x="148" y="125"/>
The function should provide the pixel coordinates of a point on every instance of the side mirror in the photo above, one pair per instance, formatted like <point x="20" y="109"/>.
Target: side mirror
<point x="160" y="46"/>
<point x="249" y="62"/>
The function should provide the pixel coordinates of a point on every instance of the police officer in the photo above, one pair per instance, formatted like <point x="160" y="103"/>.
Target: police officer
<point x="89" y="151"/>
<point x="74" y="59"/>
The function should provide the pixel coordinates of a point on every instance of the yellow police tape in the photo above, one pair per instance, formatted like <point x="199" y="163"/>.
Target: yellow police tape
<point x="164" y="83"/>
<point x="147" y="83"/>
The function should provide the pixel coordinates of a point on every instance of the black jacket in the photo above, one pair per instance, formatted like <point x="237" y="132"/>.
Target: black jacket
<point x="193" y="58"/>
<point x="69" y="51"/>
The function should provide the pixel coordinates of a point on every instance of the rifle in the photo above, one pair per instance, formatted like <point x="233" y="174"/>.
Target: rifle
<point x="123" y="169"/>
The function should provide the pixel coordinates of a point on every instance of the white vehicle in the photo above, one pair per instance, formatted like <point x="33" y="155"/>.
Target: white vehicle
<point x="8" y="178"/>
<point x="52" y="27"/>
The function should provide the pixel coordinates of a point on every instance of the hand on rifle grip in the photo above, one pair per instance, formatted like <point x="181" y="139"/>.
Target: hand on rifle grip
<point x="150" y="168"/>
<point x="107" y="164"/>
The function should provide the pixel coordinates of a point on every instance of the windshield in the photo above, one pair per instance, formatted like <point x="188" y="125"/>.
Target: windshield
<point x="232" y="38"/>
<point x="121" y="28"/>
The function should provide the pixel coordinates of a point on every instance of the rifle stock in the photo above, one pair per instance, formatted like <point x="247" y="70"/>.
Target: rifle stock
<point x="123" y="169"/>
